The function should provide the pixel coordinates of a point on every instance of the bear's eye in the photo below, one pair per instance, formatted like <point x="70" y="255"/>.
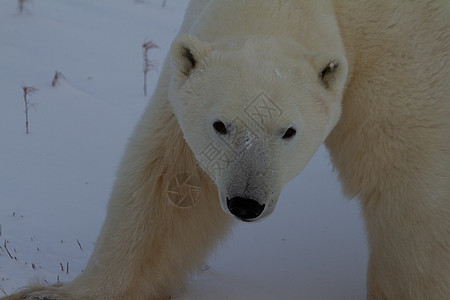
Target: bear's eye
<point x="289" y="133"/>
<point x="220" y="127"/>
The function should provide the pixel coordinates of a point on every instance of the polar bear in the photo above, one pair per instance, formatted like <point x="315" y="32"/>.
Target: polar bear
<point x="247" y="94"/>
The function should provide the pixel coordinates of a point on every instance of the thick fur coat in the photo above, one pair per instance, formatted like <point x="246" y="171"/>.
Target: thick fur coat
<point x="373" y="80"/>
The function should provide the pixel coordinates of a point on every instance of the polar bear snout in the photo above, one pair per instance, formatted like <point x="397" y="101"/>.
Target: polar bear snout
<point x="245" y="209"/>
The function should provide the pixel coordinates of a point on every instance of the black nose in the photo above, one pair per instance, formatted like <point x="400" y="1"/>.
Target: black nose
<point x="245" y="209"/>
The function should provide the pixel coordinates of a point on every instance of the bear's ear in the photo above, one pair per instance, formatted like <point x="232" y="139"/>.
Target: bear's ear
<point x="331" y="69"/>
<point x="186" y="52"/>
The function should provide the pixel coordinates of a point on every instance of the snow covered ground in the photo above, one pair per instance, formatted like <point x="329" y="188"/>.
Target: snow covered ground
<point x="55" y="182"/>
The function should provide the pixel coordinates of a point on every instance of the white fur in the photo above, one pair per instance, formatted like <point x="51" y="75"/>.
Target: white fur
<point x="382" y="108"/>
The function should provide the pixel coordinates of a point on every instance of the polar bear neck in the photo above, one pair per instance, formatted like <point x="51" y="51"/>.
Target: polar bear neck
<point x="315" y="19"/>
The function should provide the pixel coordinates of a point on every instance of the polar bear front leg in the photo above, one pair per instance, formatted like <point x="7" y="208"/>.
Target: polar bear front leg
<point x="163" y="217"/>
<point x="404" y="193"/>
<point x="409" y="249"/>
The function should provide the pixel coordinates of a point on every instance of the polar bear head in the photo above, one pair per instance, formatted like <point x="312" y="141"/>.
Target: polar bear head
<point x="254" y="110"/>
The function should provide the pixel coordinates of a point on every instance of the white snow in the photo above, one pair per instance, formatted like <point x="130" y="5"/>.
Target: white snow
<point x="55" y="182"/>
